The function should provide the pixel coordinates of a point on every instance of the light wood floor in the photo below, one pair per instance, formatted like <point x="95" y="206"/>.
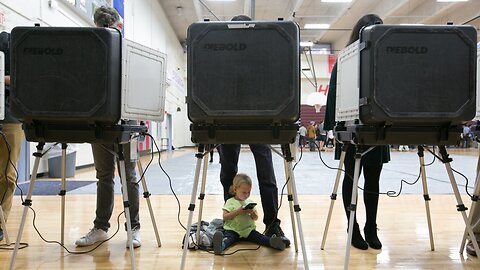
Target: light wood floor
<point x="402" y="225"/>
<point x="402" y="228"/>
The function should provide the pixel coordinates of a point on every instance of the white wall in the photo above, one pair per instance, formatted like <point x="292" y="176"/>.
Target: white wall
<point x="321" y="73"/>
<point x="145" y="23"/>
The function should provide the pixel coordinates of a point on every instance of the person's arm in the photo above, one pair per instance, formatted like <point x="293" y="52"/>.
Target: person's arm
<point x="329" y="122"/>
<point x="7" y="79"/>
<point x="240" y="211"/>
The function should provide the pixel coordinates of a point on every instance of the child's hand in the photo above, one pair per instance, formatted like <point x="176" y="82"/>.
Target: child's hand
<point x="243" y="211"/>
<point x="248" y="211"/>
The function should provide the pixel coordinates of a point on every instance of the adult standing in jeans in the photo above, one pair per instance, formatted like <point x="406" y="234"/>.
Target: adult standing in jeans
<point x="104" y="160"/>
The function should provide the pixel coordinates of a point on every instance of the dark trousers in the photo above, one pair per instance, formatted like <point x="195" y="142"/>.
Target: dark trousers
<point x="266" y="177"/>
<point x="231" y="237"/>
<point x="371" y="187"/>
<point x="211" y="146"/>
<point x="105" y="162"/>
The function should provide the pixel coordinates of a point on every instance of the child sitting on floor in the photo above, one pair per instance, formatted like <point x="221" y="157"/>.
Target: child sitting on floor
<point x="239" y="217"/>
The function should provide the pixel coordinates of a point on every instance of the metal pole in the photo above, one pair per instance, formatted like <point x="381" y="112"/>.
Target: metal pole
<point x="252" y="10"/>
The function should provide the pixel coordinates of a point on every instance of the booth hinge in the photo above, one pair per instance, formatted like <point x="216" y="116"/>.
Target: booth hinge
<point x="363" y="101"/>
<point x="363" y="45"/>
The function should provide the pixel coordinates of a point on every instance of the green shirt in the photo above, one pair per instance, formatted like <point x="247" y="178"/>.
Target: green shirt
<point x="241" y="224"/>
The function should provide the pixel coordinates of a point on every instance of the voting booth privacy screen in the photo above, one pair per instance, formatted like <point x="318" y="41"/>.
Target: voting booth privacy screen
<point x="408" y="84"/>
<point x="477" y="116"/>
<point x="82" y="77"/>
<point x="243" y="81"/>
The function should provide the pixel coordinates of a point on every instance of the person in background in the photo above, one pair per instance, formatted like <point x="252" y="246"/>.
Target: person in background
<point x="311" y="134"/>
<point x="466" y="136"/>
<point x="330" y="139"/>
<point x="371" y="162"/>
<point x="11" y="141"/>
<point x="321" y="136"/>
<point x="302" y="131"/>
<point x="239" y="219"/>
<point x="403" y="148"/>
<point x="104" y="161"/>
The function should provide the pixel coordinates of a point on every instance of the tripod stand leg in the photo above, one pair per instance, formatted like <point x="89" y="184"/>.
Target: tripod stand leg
<point x="63" y="191"/>
<point x="426" y="196"/>
<point x="291" y="182"/>
<point x="333" y="197"/>
<point x="201" y="196"/>
<point x="352" y="208"/>
<point x="146" y="195"/>
<point x="291" y="205"/>
<point x="126" y="203"/>
<point x="27" y="203"/>
<point x="478" y="160"/>
<point x="460" y="206"/>
<point x="4" y="226"/>
<point x="473" y="209"/>
<point x="191" y="207"/>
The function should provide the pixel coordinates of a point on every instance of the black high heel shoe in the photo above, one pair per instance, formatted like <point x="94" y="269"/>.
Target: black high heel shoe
<point x="357" y="239"/>
<point x="371" y="236"/>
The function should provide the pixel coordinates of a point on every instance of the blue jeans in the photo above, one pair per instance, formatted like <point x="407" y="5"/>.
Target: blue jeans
<point x="266" y="177"/>
<point x="104" y="162"/>
<point x="231" y="237"/>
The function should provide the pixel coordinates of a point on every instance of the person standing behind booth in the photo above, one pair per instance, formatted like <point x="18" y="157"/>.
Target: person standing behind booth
<point x="229" y="154"/>
<point x="371" y="162"/>
<point x="104" y="161"/>
<point x="11" y="141"/>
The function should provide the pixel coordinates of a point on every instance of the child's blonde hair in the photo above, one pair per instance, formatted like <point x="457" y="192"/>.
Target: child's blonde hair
<point x="239" y="179"/>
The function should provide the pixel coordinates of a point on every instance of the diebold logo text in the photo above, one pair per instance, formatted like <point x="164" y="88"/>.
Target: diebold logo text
<point x="225" y="46"/>
<point x="43" y="51"/>
<point x="407" y="49"/>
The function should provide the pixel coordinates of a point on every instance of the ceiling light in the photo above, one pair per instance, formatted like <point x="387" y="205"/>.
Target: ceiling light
<point x="306" y="44"/>
<point x="451" y="1"/>
<point x="337" y="1"/>
<point x="317" y="26"/>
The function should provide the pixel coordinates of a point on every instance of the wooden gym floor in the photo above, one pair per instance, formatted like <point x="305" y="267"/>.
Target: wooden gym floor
<point x="402" y="226"/>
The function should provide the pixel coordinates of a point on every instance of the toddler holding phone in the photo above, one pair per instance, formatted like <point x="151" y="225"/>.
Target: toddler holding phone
<point x="239" y="221"/>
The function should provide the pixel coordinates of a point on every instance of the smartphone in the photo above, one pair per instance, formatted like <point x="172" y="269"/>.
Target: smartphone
<point x="250" y="206"/>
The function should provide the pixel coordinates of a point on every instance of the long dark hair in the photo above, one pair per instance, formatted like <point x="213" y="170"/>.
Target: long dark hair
<point x="369" y="19"/>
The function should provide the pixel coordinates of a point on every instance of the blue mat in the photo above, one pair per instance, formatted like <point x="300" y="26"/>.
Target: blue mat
<point x="51" y="187"/>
